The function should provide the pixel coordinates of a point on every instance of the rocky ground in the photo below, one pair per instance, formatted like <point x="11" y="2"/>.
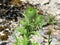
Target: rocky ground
<point x="45" y="6"/>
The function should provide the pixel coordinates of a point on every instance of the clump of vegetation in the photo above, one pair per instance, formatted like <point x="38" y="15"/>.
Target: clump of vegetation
<point x="30" y="24"/>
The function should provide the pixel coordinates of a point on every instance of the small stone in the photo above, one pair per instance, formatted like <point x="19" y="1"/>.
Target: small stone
<point x="4" y="43"/>
<point x="56" y="27"/>
<point x="57" y="17"/>
<point x="2" y="28"/>
<point x="1" y="20"/>
<point x="43" y="2"/>
<point x="4" y="37"/>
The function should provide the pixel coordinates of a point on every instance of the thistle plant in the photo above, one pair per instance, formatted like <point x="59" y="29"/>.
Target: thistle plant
<point x="30" y="24"/>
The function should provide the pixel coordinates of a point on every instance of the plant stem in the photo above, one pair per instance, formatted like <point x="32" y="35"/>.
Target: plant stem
<point x="49" y="40"/>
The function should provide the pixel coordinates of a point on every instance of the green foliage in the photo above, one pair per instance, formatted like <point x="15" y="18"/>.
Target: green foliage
<point x="21" y="30"/>
<point x="51" y="19"/>
<point x="49" y="39"/>
<point x="22" y="41"/>
<point x="40" y="21"/>
<point x="30" y="24"/>
<point x="17" y="40"/>
<point x="30" y="12"/>
<point x="34" y="43"/>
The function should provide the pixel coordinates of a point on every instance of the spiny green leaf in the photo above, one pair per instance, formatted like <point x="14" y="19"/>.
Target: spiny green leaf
<point x="30" y="12"/>
<point x="24" y="22"/>
<point x="40" y="20"/>
<point x="21" y="30"/>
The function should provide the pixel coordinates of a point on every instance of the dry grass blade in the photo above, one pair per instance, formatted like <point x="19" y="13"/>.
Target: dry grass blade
<point x="16" y="2"/>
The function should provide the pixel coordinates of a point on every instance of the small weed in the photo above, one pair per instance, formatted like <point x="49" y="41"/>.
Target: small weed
<point x="30" y="24"/>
